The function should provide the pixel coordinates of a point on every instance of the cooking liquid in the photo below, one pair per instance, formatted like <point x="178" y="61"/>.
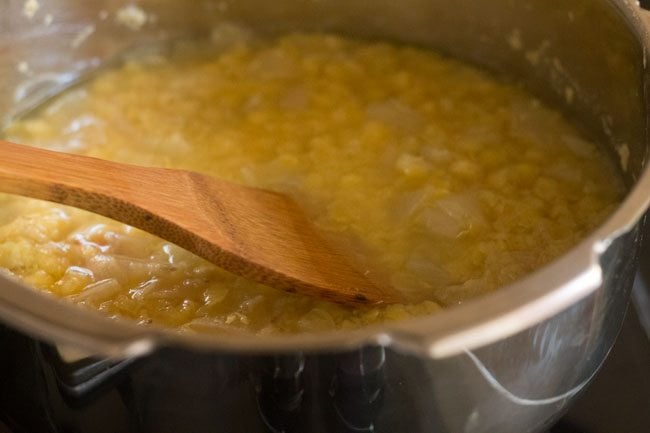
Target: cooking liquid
<point x="449" y="181"/>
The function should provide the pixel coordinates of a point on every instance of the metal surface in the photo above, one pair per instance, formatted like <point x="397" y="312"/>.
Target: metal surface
<point x="508" y="362"/>
<point x="641" y="292"/>
<point x="618" y="400"/>
<point x="44" y="394"/>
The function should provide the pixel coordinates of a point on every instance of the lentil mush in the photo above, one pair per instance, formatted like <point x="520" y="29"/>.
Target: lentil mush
<point x="450" y="181"/>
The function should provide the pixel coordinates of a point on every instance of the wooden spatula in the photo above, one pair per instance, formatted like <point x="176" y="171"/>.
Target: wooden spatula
<point x="251" y="232"/>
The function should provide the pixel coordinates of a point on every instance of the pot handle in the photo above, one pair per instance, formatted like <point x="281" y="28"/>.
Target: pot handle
<point x="510" y="310"/>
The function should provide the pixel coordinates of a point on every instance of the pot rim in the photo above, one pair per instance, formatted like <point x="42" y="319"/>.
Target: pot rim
<point x="512" y="309"/>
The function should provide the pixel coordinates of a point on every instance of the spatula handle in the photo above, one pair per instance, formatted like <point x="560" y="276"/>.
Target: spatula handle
<point x="58" y="177"/>
<point x="122" y="192"/>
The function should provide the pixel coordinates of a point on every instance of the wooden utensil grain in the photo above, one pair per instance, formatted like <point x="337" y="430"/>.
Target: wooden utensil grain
<point x="255" y="233"/>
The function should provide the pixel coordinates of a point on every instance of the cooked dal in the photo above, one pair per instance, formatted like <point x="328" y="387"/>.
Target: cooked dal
<point x="450" y="182"/>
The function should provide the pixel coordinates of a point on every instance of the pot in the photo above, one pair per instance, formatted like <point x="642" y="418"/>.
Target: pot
<point x="508" y="362"/>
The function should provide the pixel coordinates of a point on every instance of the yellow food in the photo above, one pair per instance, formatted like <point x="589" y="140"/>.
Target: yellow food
<point x="450" y="182"/>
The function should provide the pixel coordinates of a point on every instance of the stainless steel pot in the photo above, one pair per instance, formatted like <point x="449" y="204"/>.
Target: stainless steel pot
<point x="508" y="362"/>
